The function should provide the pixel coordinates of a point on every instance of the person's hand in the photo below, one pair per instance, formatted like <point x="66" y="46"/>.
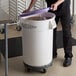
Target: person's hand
<point x="56" y="4"/>
<point x="54" y="7"/>
<point x="27" y="10"/>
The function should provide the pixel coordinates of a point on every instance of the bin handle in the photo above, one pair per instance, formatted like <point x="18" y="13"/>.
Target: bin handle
<point x="52" y="24"/>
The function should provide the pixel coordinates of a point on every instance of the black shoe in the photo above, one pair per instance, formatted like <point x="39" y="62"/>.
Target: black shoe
<point x="67" y="62"/>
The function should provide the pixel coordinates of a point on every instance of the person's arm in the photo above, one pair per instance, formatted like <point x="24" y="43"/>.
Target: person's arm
<point x="32" y="3"/>
<point x="59" y="2"/>
<point x="56" y="4"/>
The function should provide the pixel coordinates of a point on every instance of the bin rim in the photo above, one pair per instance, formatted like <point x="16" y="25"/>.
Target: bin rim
<point x="26" y="17"/>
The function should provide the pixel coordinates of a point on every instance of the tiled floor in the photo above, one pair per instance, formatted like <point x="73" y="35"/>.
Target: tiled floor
<point x="16" y="67"/>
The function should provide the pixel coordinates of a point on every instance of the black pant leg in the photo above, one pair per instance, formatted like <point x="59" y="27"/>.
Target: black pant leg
<point x="66" y="28"/>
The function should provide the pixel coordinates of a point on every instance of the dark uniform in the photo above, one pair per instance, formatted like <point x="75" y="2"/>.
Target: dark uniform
<point x="63" y="13"/>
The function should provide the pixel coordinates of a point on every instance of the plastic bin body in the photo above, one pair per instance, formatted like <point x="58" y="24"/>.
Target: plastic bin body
<point x="37" y="40"/>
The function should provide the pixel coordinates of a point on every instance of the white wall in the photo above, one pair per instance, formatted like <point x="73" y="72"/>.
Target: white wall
<point x="71" y="7"/>
<point x="5" y="5"/>
<point x="75" y="7"/>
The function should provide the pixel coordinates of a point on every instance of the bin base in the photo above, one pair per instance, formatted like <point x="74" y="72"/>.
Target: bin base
<point x="42" y="69"/>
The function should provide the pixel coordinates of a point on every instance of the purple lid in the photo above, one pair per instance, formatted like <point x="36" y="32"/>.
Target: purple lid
<point x="35" y="12"/>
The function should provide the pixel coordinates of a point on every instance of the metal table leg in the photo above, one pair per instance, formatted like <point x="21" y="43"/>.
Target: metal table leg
<point x="6" y="49"/>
